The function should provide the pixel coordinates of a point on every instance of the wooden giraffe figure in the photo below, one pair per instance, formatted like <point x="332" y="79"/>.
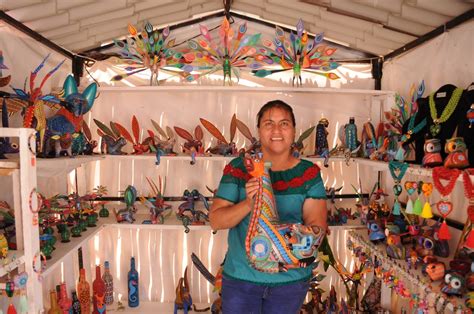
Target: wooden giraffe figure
<point x="270" y="245"/>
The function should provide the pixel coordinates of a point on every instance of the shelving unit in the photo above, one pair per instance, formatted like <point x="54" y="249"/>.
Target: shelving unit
<point x="65" y="252"/>
<point x="411" y="277"/>
<point x="23" y="172"/>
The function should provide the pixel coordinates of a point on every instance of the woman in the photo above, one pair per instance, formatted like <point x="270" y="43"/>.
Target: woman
<point x="244" y="289"/>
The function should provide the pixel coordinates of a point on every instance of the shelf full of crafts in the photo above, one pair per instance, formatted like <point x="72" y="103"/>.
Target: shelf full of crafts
<point x="138" y="180"/>
<point x="177" y="109"/>
<point x="20" y="256"/>
<point x="423" y="249"/>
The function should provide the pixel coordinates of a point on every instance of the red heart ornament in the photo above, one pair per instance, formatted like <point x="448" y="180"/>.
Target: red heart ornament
<point x="444" y="208"/>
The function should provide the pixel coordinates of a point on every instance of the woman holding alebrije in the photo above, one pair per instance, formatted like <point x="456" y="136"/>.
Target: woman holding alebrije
<point x="244" y="289"/>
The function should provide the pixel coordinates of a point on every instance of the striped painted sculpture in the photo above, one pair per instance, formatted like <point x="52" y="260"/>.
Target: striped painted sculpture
<point x="271" y="246"/>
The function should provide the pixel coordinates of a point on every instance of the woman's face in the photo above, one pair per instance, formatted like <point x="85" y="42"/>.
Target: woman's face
<point x="276" y="131"/>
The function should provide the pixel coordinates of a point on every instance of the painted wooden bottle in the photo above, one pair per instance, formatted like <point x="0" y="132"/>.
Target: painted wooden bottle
<point x="54" y="303"/>
<point x="76" y="305"/>
<point x="84" y="292"/>
<point x="64" y="302"/>
<point x="109" y="284"/>
<point x="98" y="293"/>
<point x="133" y="297"/>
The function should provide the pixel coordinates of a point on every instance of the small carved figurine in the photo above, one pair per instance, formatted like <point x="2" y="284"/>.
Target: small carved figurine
<point x="457" y="153"/>
<point x="432" y="157"/>
<point x="183" y="300"/>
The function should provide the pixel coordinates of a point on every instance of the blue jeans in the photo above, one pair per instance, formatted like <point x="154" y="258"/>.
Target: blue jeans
<point x="240" y="297"/>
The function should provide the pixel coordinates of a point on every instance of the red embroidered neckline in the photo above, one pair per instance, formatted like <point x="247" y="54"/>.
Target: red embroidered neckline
<point x="279" y="185"/>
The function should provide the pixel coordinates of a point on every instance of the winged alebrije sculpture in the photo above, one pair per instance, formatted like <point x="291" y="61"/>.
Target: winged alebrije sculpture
<point x="66" y="124"/>
<point x="297" y="54"/>
<point x="148" y="50"/>
<point x="229" y="54"/>
<point x="32" y="101"/>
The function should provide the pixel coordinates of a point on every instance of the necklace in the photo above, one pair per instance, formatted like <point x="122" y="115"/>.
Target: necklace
<point x="468" y="187"/>
<point x="445" y="174"/>
<point x="444" y="206"/>
<point x="413" y="130"/>
<point x="397" y="171"/>
<point x="447" y="112"/>
<point x="469" y="191"/>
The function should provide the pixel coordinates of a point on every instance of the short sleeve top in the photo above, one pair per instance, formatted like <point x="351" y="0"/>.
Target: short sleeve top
<point x="291" y="188"/>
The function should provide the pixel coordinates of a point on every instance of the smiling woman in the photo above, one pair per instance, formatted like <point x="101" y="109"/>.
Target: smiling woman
<point x="299" y="196"/>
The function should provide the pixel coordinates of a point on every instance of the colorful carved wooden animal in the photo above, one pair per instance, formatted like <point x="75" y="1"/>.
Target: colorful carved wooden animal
<point x="127" y="213"/>
<point x="111" y="139"/>
<point x="33" y="100"/>
<point x="298" y="146"/>
<point x="223" y="147"/>
<point x="165" y="140"/>
<point x="183" y="300"/>
<point x="254" y="146"/>
<point x="156" y="205"/>
<point x="138" y="147"/>
<point x="193" y="145"/>
<point x="187" y="212"/>
<point x="216" y="306"/>
<point x="68" y="119"/>
<point x="270" y="245"/>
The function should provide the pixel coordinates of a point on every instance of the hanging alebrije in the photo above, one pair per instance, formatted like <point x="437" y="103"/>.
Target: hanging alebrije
<point x="444" y="206"/>
<point x="229" y="53"/>
<point x="299" y="53"/>
<point x="4" y="80"/>
<point x="149" y="49"/>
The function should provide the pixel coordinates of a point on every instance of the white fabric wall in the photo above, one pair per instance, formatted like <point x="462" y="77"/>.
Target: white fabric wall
<point x="446" y="59"/>
<point x="22" y="54"/>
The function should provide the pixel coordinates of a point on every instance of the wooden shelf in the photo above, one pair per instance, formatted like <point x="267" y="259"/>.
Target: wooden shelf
<point x="50" y="167"/>
<point x="13" y="163"/>
<point x="12" y="261"/>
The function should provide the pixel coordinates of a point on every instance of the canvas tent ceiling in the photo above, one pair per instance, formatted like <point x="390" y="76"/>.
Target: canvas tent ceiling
<point x="373" y="26"/>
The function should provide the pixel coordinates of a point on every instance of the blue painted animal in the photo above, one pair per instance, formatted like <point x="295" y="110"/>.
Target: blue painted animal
<point x="68" y="119"/>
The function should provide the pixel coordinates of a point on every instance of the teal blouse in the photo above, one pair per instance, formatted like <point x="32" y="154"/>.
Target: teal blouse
<point x="291" y="188"/>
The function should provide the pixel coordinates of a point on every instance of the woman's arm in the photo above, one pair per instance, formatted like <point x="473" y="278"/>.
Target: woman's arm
<point x="315" y="213"/>
<point x="225" y="215"/>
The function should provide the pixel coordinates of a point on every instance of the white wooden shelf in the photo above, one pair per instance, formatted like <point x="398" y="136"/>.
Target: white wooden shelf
<point x="50" y="167"/>
<point x="14" y="259"/>
<point x="171" y="223"/>
<point x="244" y="89"/>
<point x="10" y="163"/>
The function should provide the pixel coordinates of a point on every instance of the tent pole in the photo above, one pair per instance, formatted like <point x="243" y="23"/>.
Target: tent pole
<point x="28" y="31"/>
<point x="434" y="33"/>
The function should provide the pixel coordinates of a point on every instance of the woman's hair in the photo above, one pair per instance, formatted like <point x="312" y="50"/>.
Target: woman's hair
<point x="275" y="104"/>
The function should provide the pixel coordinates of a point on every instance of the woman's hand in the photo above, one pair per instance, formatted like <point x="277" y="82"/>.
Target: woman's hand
<point x="251" y="188"/>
